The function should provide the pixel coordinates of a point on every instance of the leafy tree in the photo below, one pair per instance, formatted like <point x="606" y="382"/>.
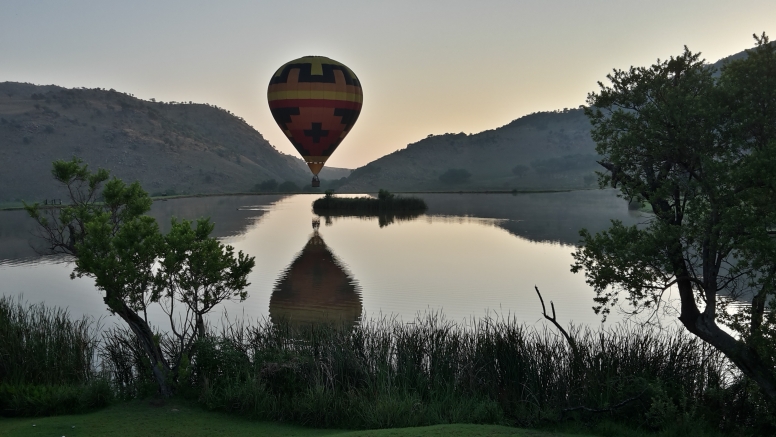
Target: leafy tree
<point x="701" y="151"/>
<point x="267" y="185"/>
<point x="385" y="195"/>
<point x="288" y="187"/>
<point x="105" y="230"/>
<point x="199" y="272"/>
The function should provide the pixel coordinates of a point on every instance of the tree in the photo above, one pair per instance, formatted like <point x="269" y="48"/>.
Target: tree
<point x="105" y="230"/>
<point x="288" y="187"/>
<point x="267" y="185"/>
<point x="199" y="272"/>
<point x="701" y="151"/>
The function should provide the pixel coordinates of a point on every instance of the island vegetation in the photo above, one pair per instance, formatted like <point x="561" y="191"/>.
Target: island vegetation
<point x="385" y="203"/>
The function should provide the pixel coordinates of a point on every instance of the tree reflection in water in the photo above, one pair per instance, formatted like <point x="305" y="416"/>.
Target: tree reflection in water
<point x="383" y="219"/>
<point x="315" y="288"/>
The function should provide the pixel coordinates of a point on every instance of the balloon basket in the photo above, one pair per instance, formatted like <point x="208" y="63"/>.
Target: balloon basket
<point x="316" y="182"/>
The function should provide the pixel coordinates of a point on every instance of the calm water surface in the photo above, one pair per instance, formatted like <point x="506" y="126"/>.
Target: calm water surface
<point x="470" y="255"/>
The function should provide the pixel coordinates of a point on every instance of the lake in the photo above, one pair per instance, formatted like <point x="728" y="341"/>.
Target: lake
<point x="468" y="256"/>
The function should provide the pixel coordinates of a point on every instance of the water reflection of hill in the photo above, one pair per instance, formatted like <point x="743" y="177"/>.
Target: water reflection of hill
<point x="315" y="288"/>
<point x="15" y="233"/>
<point x="231" y="215"/>
<point x="553" y="217"/>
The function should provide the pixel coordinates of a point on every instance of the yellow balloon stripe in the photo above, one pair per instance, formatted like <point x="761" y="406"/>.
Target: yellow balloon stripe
<point x="318" y="95"/>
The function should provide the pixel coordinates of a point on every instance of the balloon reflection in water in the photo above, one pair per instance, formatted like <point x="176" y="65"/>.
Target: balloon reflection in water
<point x="315" y="288"/>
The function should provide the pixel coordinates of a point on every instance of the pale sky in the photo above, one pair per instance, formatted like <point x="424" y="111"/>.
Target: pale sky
<point x="426" y="67"/>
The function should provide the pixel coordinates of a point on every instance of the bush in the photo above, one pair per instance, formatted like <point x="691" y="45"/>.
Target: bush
<point x="288" y="187"/>
<point x="267" y="185"/>
<point x="386" y="202"/>
<point x="47" y="400"/>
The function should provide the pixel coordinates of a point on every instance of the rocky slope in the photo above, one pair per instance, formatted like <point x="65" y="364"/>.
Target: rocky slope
<point x="547" y="150"/>
<point x="171" y="148"/>
<point x="539" y="151"/>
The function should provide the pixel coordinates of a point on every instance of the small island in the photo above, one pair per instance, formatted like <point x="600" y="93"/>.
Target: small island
<point x="385" y="202"/>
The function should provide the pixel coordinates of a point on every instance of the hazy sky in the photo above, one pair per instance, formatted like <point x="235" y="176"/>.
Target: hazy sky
<point x="426" y="67"/>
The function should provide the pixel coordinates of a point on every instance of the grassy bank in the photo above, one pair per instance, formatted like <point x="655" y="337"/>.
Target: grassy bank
<point x="180" y="418"/>
<point x="387" y="374"/>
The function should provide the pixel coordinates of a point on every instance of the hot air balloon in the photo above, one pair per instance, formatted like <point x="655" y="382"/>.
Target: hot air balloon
<point x="315" y="101"/>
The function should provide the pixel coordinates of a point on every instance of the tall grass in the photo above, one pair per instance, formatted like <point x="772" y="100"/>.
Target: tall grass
<point x="47" y="360"/>
<point x="43" y="345"/>
<point x="387" y="374"/>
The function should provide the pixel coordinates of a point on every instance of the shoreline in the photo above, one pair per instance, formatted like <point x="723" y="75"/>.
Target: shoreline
<point x="187" y="196"/>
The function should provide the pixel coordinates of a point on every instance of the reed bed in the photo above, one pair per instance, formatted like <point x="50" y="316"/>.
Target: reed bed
<point x="43" y="345"/>
<point x="48" y="361"/>
<point x="385" y="373"/>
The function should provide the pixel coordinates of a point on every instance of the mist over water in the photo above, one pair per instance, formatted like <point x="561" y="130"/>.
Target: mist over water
<point x="469" y="256"/>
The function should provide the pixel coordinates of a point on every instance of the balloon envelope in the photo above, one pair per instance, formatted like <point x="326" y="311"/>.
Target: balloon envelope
<point x="315" y="101"/>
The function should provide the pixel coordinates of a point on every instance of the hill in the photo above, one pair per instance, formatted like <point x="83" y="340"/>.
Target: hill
<point x="171" y="148"/>
<point x="546" y="150"/>
<point x="184" y="148"/>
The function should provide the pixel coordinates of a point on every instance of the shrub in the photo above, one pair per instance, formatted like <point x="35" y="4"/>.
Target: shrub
<point x="267" y="185"/>
<point x="288" y="187"/>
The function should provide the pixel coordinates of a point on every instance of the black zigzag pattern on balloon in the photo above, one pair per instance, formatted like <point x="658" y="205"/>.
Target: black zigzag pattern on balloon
<point x="349" y="116"/>
<point x="305" y="74"/>
<point x="283" y="115"/>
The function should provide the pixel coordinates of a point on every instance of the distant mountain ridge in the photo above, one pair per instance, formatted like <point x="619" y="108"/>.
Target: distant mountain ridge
<point x="544" y="150"/>
<point x="184" y="148"/>
<point x="539" y="151"/>
<point x="172" y="148"/>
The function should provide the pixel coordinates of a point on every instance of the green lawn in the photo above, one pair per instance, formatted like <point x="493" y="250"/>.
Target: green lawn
<point x="141" y="418"/>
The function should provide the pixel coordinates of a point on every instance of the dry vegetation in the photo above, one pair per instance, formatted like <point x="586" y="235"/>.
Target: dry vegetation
<point x="171" y="148"/>
<point x="548" y="150"/>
